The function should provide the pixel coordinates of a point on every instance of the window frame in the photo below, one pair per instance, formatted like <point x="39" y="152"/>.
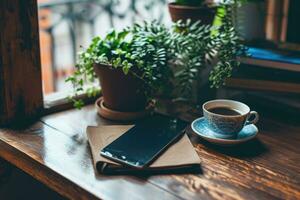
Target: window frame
<point x="21" y="92"/>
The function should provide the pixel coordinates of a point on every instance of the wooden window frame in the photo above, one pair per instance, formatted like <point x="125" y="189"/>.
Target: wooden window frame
<point x="21" y="93"/>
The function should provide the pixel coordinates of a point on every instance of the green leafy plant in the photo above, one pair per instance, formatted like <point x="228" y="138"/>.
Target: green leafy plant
<point x="228" y="45"/>
<point x="193" y="47"/>
<point x="166" y="60"/>
<point x="151" y="47"/>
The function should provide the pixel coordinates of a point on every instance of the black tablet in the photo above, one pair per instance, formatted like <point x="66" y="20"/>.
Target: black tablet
<point x="140" y="145"/>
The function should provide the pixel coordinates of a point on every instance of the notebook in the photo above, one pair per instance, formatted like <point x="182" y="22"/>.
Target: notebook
<point x="181" y="157"/>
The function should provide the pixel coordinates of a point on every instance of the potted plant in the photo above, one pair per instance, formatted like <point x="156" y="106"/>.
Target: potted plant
<point x="110" y="59"/>
<point x="131" y="65"/>
<point x="192" y="9"/>
<point x="137" y="64"/>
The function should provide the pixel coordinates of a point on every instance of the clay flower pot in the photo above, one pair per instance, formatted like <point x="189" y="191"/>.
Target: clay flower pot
<point x="195" y="13"/>
<point x="120" y="92"/>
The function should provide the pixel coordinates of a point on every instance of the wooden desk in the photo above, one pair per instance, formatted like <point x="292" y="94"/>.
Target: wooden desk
<point x="55" y="151"/>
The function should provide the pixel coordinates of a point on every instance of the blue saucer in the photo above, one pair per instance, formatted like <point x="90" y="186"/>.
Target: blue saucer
<point x="199" y="126"/>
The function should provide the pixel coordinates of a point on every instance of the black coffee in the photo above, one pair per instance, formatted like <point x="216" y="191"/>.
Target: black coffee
<point x="224" y="111"/>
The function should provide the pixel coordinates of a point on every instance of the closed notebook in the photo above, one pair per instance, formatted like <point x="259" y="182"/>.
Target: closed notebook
<point x="180" y="157"/>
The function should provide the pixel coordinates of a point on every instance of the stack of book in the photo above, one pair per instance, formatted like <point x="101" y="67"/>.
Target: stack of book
<point x="268" y="70"/>
<point x="270" y="77"/>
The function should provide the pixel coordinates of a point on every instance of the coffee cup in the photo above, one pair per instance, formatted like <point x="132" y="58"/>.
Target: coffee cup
<point x="226" y="118"/>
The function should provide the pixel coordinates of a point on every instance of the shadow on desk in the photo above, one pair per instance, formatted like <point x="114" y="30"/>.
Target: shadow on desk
<point x="184" y="170"/>
<point x="252" y="148"/>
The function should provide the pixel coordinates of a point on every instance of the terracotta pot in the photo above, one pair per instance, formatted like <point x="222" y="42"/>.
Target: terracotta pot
<point x="195" y="13"/>
<point x="120" y="92"/>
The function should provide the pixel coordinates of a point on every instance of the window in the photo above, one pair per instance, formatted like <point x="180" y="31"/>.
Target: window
<point x="65" y="25"/>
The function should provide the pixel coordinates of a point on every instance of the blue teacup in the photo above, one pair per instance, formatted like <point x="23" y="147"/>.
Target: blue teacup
<point x="226" y="118"/>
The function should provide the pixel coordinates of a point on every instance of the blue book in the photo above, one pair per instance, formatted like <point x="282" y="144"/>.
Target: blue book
<point x="273" y="55"/>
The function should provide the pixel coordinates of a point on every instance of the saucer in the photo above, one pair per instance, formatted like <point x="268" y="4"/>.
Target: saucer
<point x="119" y="115"/>
<point x="199" y="126"/>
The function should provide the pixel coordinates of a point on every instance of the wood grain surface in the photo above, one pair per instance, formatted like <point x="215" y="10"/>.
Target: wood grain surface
<point x="20" y="69"/>
<point x="55" y="151"/>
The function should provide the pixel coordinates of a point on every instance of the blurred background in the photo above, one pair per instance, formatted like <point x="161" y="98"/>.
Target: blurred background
<point x="68" y="25"/>
<point x="269" y="27"/>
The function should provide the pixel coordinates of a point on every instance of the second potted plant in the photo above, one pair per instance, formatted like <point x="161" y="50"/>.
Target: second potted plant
<point x="192" y="9"/>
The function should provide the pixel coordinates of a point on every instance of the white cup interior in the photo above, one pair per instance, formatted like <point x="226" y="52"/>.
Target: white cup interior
<point x="240" y="107"/>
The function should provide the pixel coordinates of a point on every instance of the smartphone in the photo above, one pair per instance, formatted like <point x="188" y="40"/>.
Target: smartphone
<point x="144" y="142"/>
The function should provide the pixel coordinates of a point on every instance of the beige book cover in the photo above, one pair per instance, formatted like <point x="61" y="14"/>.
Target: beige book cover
<point x="180" y="157"/>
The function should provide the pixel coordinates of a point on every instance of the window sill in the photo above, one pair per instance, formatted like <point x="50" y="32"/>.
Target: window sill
<point x="58" y="101"/>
